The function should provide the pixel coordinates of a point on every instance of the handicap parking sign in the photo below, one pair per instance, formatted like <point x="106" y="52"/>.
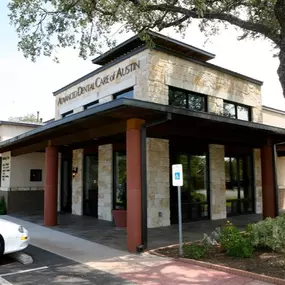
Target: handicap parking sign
<point x="177" y="175"/>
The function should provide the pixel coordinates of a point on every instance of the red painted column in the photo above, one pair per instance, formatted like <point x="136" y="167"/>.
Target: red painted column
<point x="50" y="189"/>
<point x="134" y="211"/>
<point x="268" y="180"/>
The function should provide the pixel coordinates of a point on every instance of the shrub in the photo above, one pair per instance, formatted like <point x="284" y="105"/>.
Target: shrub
<point x="3" y="210"/>
<point x="269" y="233"/>
<point x="235" y="243"/>
<point x="195" y="250"/>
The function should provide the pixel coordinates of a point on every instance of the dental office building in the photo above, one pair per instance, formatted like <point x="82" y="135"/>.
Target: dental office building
<point x="118" y="130"/>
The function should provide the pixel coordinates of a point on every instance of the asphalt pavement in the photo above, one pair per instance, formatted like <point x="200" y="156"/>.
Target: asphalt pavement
<point x="49" y="268"/>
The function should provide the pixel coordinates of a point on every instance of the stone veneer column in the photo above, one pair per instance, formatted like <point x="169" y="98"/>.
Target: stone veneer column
<point x="217" y="182"/>
<point x="105" y="182"/>
<point x="215" y="105"/>
<point x="258" y="181"/>
<point x="77" y="182"/>
<point x="158" y="204"/>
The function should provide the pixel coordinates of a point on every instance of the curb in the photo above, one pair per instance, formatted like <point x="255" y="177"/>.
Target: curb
<point x="226" y="269"/>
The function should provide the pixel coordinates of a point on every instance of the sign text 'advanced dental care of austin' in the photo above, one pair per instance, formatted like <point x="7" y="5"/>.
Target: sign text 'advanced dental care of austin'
<point x="100" y="81"/>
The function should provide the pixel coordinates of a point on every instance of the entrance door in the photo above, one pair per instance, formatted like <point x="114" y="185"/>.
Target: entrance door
<point x="90" y="196"/>
<point x="66" y="184"/>
<point x="194" y="192"/>
<point x="239" y="186"/>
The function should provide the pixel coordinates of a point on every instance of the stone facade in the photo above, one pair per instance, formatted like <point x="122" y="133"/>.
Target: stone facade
<point x="258" y="181"/>
<point x="77" y="181"/>
<point x="217" y="182"/>
<point x="168" y="70"/>
<point x="105" y="175"/>
<point x="158" y="206"/>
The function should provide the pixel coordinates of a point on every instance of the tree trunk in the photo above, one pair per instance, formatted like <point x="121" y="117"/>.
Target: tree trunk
<point x="281" y="68"/>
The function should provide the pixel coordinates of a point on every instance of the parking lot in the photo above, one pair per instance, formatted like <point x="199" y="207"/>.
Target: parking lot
<point x="49" y="268"/>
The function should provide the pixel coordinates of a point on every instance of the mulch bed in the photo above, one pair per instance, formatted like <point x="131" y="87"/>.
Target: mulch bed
<point x="263" y="261"/>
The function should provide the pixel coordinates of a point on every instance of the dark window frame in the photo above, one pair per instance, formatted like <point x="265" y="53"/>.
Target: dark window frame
<point x="236" y="105"/>
<point x="91" y="104"/>
<point x="188" y="94"/>
<point x="116" y="95"/>
<point x="36" y="175"/>
<point x="67" y="114"/>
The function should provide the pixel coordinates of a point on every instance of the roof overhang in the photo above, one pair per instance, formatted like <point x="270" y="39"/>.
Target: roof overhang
<point x="109" y="119"/>
<point x="158" y="40"/>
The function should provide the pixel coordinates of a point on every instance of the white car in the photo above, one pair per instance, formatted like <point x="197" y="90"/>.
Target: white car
<point x="13" y="237"/>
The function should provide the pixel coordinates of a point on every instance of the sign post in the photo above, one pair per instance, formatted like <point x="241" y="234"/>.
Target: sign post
<point x="177" y="180"/>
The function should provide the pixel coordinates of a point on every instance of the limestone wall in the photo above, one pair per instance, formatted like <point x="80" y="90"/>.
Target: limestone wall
<point x="258" y="181"/>
<point x="102" y="85"/>
<point x="168" y="70"/>
<point x="158" y="207"/>
<point x="77" y="181"/>
<point x="105" y="175"/>
<point x="217" y="182"/>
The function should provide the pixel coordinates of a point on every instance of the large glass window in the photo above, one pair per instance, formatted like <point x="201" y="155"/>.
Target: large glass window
<point x="129" y="93"/>
<point x="120" y="181"/>
<point x="239" y="190"/>
<point x="194" y="192"/>
<point x="187" y="99"/>
<point x="237" y="111"/>
<point x="90" y="196"/>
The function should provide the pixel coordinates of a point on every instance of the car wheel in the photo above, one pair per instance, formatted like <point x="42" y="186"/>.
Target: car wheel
<point x="2" y="245"/>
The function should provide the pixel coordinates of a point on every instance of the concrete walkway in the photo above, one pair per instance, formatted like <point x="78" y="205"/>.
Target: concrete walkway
<point x="143" y="269"/>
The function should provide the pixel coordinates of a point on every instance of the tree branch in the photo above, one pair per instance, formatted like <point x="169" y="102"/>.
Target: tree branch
<point x="254" y="27"/>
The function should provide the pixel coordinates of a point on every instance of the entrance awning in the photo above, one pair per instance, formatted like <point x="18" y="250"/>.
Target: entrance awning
<point x="109" y="119"/>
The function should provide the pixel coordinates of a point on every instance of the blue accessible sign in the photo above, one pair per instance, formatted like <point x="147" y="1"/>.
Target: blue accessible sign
<point x="177" y="175"/>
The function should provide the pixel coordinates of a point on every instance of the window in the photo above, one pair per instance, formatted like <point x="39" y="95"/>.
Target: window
<point x="120" y="180"/>
<point x="129" y="93"/>
<point x="187" y="99"/>
<point x="36" y="175"/>
<point x="91" y="105"/>
<point x="237" y="111"/>
<point x="67" y="114"/>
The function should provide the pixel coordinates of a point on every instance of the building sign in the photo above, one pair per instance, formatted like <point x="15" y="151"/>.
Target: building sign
<point x="100" y="81"/>
<point x="5" y="168"/>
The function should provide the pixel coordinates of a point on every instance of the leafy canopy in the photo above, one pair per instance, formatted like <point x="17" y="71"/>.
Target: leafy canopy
<point x="44" y="25"/>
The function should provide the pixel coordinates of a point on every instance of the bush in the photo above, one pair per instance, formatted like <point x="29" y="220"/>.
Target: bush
<point x="3" y="210"/>
<point x="235" y="243"/>
<point x="269" y="233"/>
<point x="194" y="251"/>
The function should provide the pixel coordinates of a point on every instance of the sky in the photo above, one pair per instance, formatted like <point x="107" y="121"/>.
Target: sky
<point x="27" y="87"/>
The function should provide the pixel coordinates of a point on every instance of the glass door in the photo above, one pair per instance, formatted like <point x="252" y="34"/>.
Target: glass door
<point x="194" y="192"/>
<point x="239" y="187"/>
<point x="90" y="192"/>
<point x="66" y="184"/>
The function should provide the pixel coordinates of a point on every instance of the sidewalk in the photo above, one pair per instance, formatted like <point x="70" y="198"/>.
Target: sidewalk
<point x="144" y="269"/>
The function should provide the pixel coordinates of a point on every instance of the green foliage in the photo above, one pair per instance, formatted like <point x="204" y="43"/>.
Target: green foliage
<point x="3" y="210"/>
<point x="28" y="118"/>
<point x="198" y="197"/>
<point x="195" y="250"/>
<point x="235" y="243"/>
<point x="269" y="233"/>
<point x="87" y="25"/>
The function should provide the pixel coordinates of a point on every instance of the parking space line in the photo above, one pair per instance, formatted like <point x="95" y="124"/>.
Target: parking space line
<point x="4" y="282"/>
<point x="23" y="271"/>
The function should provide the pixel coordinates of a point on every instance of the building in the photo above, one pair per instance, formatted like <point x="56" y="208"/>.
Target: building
<point x="118" y="130"/>
<point x="8" y="130"/>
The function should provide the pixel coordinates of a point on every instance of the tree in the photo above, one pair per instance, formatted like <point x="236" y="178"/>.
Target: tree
<point x="28" y="118"/>
<point x="86" y="25"/>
